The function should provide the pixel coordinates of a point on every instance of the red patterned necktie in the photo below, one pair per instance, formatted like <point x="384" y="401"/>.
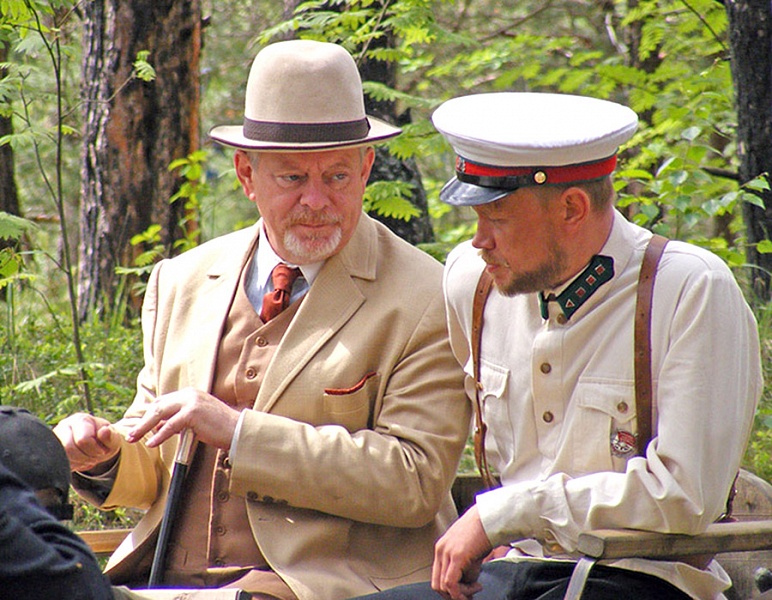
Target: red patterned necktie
<point x="276" y="301"/>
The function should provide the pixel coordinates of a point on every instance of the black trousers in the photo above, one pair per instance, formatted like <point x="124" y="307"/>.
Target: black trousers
<point x="547" y="580"/>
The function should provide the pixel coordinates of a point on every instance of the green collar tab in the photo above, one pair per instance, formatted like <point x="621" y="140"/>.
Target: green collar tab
<point x="599" y="271"/>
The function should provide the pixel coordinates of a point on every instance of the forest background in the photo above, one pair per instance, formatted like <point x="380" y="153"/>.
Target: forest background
<point x="105" y="165"/>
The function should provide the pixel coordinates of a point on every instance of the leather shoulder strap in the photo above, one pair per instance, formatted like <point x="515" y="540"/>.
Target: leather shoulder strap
<point x="484" y="285"/>
<point x="643" y="386"/>
<point x="642" y="341"/>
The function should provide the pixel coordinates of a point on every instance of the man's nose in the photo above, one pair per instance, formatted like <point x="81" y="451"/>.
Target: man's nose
<point x="483" y="240"/>
<point x="314" y="195"/>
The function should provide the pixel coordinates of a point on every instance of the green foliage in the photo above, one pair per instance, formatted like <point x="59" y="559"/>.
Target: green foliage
<point x="390" y="199"/>
<point x="194" y="186"/>
<point x="9" y="265"/>
<point x="40" y="374"/>
<point x="142" y="68"/>
<point x="13" y="227"/>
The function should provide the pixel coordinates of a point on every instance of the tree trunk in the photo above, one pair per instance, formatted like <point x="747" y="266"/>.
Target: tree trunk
<point x="9" y="197"/>
<point x="133" y="130"/>
<point x="9" y="194"/>
<point x="750" y="38"/>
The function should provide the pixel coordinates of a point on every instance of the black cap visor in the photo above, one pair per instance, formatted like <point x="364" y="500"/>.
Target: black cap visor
<point x="458" y="193"/>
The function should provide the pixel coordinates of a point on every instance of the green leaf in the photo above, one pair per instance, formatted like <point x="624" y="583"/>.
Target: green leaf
<point x="151" y="234"/>
<point x="759" y="184"/>
<point x="691" y="133"/>
<point x="753" y="199"/>
<point x="142" y="68"/>
<point x="764" y="247"/>
<point x="9" y="263"/>
<point x="634" y="174"/>
<point x="12" y="227"/>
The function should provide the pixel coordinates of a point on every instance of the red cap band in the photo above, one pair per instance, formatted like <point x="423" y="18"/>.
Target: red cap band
<point x="515" y="177"/>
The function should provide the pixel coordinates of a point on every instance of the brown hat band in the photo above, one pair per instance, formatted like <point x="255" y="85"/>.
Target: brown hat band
<point x="299" y="133"/>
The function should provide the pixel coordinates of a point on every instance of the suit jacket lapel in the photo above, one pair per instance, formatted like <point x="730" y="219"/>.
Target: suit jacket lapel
<point x="214" y="297"/>
<point x="330" y="302"/>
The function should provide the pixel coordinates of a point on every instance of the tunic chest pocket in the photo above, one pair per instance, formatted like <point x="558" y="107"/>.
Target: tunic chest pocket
<point x="500" y="438"/>
<point x="604" y="437"/>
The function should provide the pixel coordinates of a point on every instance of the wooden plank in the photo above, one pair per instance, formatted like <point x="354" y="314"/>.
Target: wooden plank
<point x="738" y="536"/>
<point x="104" y="541"/>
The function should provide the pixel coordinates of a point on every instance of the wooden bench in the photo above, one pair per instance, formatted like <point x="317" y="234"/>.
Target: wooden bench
<point x="104" y="542"/>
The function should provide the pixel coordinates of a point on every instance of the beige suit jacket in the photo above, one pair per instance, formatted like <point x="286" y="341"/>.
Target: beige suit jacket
<point x="346" y="484"/>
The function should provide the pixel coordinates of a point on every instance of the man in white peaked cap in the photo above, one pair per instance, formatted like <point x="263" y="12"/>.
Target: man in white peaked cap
<point x="556" y="381"/>
<point x="328" y="409"/>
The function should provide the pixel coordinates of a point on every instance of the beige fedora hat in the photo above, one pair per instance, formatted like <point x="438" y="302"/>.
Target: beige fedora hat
<point x="303" y="95"/>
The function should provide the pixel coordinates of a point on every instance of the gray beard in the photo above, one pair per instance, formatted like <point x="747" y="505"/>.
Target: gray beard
<point x="310" y="250"/>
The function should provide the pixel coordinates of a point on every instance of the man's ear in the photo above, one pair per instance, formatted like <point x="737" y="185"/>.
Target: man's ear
<point x="368" y="158"/>
<point x="576" y="205"/>
<point x="244" y="172"/>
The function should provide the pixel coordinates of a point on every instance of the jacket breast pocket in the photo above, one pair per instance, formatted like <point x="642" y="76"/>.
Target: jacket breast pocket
<point x="350" y="407"/>
<point x="605" y="434"/>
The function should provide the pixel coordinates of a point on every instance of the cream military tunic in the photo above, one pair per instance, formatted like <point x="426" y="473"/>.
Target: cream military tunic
<point x="559" y="402"/>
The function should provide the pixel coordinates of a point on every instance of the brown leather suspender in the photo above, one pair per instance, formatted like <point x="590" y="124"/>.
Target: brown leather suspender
<point x="642" y="341"/>
<point x="484" y="285"/>
<point x="643" y="392"/>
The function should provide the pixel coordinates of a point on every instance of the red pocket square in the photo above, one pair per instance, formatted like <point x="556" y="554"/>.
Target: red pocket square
<point x="354" y="388"/>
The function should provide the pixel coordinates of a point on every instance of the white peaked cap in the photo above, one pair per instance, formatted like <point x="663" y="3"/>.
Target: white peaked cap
<point x="509" y="140"/>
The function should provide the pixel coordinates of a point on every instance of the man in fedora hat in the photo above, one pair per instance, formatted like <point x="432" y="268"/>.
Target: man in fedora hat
<point x="561" y="401"/>
<point x="328" y="410"/>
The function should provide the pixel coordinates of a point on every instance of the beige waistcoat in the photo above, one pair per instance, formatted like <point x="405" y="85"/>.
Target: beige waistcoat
<point x="212" y="544"/>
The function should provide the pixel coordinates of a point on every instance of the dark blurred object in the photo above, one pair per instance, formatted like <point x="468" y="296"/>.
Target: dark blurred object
<point x="32" y="452"/>
<point x="763" y="578"/>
